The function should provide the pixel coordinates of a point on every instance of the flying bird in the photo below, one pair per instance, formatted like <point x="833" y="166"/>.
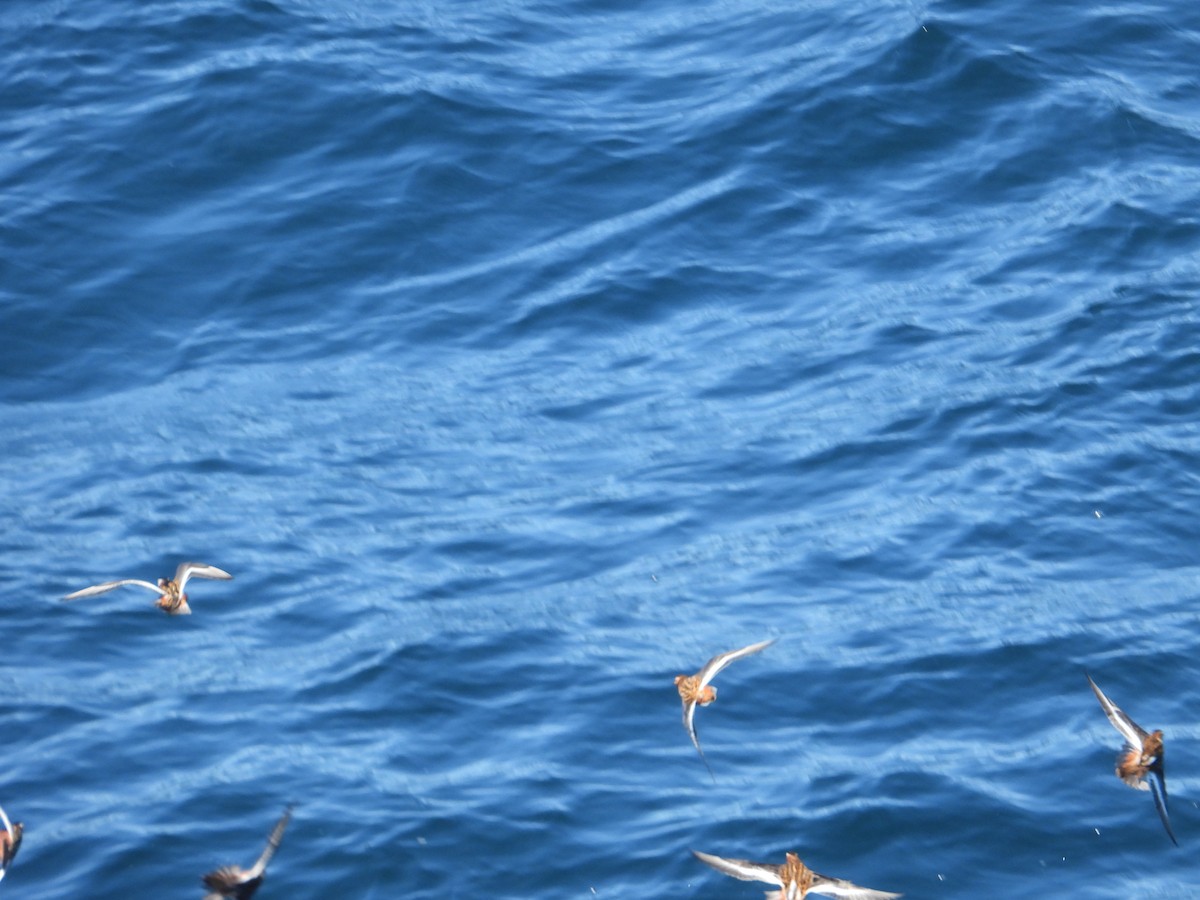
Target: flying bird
<point x="794" y="879"/>
<point x="239" y="883"/>
<point x="1142" y="757"/>
<point x="695" y="690"/>
<point x="172" y="600"/>
<point x="10" y="842"/>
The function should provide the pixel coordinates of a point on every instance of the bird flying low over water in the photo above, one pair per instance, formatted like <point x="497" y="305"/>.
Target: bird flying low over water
<point x="172" y="600"/>
<point x="239" y="883"/>
<point x="794" y="878"/>
<point x="1142" y="757"/>
<point x="695" y="690"/>
<point x="10" y="842"/>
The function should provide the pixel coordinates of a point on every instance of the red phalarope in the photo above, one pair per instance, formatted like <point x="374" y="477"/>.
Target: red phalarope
<point x="172" y="599"/>
<point x="239" y="883"/>
<point x="695" y="690"/>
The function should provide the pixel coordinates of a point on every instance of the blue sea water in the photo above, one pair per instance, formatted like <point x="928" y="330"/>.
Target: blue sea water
<point x="518" y="356"/>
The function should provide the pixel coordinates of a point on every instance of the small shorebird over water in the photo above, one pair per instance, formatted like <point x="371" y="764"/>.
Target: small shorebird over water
<point x="10" y="842"/>
<point x="239" y="883"/>
<point x="1142" y="757"/>
<point x="172" y="599"/>
<point x="794" y="878"/>
<point x="695" y="690"/>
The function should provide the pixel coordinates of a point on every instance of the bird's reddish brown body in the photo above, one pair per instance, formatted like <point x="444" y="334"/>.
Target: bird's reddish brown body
<point x="172" y="598"/>
<point x="1133" y="767"/>
<point x="690" y="690"/>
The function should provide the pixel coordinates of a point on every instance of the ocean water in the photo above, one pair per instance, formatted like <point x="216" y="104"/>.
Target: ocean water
<point x="516" y="357"/>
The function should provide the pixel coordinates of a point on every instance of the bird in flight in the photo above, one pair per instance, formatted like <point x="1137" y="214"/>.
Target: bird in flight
<point x="172" y="600"/>
<point x="239" y="883"/>
<point x="10" y="842"/>
<point x="1140" y="764"/>
<point x="794" y="879"/>
<point x="695" y="690"/>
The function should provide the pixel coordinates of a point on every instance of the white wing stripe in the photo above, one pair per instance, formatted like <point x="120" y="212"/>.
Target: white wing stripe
<point x="721" y="660"/>
<point x="1127" y="728"/>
